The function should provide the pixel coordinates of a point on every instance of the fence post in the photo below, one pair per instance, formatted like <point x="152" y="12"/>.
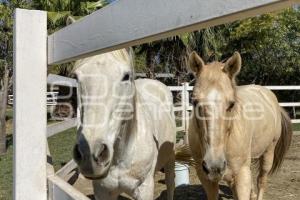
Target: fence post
<point x="183" y="107"/>
<point x="186" y="112"/>
<point x="30" y="112"/>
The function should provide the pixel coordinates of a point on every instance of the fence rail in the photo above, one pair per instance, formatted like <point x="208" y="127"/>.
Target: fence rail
<point x="185" y="104"/>
<point x="51" y="98"/>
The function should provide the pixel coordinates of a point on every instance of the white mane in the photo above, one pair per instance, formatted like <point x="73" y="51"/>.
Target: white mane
<point x="121" y="55"/>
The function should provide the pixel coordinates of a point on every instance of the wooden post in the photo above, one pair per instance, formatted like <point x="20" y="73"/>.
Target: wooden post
<point x="30" y="73"/>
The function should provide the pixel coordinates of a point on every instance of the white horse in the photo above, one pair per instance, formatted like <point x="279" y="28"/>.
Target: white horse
<point x="127" y="129"/>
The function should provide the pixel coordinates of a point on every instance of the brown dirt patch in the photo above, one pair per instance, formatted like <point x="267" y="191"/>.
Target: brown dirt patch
<point x="284" y="185"/>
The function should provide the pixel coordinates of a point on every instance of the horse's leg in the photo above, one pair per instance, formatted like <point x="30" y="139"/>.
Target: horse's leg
<point x="266" y="163"/>
<point x="243" y="183"/>
<point x="211" y="188"/>
<point x="101" y="193"/>
<point x="170" y="175"/>
<point x="253" y="195"/>
<point x="146" y="190"/>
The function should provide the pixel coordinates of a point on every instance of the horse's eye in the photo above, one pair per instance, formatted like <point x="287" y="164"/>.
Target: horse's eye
<point x="231" y="105"/>
<point x="126" y="77"/>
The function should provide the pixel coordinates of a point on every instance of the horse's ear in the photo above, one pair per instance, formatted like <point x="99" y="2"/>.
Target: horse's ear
<point x="233" y="65"/>
<point x="70" y="20"/>
<point x="196" y="63"/>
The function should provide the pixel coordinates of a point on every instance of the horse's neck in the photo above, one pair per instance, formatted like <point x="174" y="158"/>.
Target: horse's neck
<point x="129" y="136"/>
<point x="125" y="140"/>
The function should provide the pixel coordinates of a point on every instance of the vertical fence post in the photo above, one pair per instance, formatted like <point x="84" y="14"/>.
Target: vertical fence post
<point x="183" y="107"/>
<point x="186" y="112"/>
<point x="30" y="71"/>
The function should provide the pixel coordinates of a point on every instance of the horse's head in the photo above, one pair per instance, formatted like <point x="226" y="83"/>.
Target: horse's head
<point x="214" y="103"/>
<point x="105" y="101"/>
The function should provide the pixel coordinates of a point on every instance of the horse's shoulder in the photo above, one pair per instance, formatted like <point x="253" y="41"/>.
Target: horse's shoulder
<point x="149" y="87"/>
<point x="252" y="88"/>
<point x="145" y="81"/>
<point x="256" y="92"/>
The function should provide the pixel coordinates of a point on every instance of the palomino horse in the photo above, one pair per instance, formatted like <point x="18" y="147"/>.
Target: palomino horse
<point x="127" y="129"/>
<point x="232" y="124"/>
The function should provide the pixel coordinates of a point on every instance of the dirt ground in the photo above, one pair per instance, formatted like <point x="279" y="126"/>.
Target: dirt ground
<point x="283" y="185"/>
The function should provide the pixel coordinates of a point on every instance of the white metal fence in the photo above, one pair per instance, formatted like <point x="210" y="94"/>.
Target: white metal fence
<point x="122" y="24"/>
<point x="184" y="105"/>
<point x="181" y="95"/>
<point x="51" y="99"/>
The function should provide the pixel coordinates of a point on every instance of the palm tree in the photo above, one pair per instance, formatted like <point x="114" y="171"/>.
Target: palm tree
<point x="60" y="10"/>
<point x="208" y="42"/>
<point x="171" y="54"/>
<point x="168" y="55"/>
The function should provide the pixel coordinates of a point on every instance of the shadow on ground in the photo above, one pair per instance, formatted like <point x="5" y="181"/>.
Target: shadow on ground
<point x="188" y="192"/>
<point x="120" y="197"/>
<point x="194" y="192"/>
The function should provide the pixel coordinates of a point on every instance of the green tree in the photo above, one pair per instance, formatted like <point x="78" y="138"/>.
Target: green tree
<point x="59" y="13"/>
<point x="270" y="47"/>
<point x="167" y="55"/>
<point x="60" y="10"/>
<point x="171" y="54"/>
<point x="6" y="55"/>
<point x="207" y="42"/>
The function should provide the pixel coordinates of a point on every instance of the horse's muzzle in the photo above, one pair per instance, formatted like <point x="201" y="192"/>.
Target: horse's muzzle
<point x="214" y="170"/>
<point x="92" y="163"/>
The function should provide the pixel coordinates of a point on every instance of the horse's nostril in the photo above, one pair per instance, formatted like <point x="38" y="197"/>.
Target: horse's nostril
<point x="101" y="153"/>
<point x="77" y="154"/>
<point x="205" y="168"/>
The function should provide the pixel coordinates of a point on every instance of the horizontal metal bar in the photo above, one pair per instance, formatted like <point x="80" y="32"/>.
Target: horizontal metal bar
<point x="132" y="22"/>
<point x="283" y="87"/>
<point x="66" y="169"/>
<point x="178" y="108"/>
<point x="295" y="121"/>
<point x="63" y="190"/>
<point x="175" y="88"/>
<point x="51" y="99"/>
<point x="179" y="129"/>
<point x="289" y="104"/>
<point x="54" y="79"/>
<point x="190" y="88"/>
<point x="53" y="129"/>
<point x="157" y="75"/>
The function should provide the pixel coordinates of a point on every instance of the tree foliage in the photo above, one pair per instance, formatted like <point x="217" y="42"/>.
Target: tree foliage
<point x="270" y="48"/>
<point x="167" y="55"/>
<point x="60" y="10"/>
<point x="6" y="31"/>
<point x="6" y="55"/>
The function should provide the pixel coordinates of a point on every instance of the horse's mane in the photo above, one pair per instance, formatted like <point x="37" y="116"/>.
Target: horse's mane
<point x="123" y="55"/>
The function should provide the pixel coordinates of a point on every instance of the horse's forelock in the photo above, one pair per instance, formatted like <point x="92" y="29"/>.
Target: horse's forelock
<point x="121" y="55"/>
